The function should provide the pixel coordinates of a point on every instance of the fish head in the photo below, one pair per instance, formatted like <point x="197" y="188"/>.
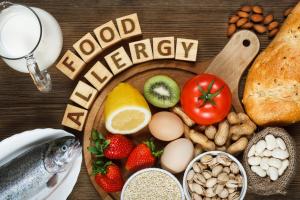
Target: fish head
<point x="61" y="153"/>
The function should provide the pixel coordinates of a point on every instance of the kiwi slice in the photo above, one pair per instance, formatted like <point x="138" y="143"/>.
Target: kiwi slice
<point x="162" y="91"/>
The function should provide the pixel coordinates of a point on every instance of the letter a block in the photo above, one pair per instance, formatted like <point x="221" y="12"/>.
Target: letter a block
<point x="70" y="65"/>
<point x="74" y="117"/>
<point x="118" y="60"/>
<point x="129" y="26"/>
<point x="163" y="47"/>
<point x="84" y="95"/>
<point x="186" y="49"/>
<point x="141" y="51"/>
<point x="98" y="76"/>
<point x="87" y="47"/>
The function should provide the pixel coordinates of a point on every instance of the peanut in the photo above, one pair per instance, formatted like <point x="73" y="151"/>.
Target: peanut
<point x="259" y="28"/>
<point x="222" y="134"/>
<point x="273" y="32"/>
<point x="268" y="19"/>
<point x="241" y="22"/>
<point x="197" y="150"/>
<point x="233" y="118"/>
<point x="222" y="148"/>
<point x="287" y="11"/>
<point x="257" y="9"/>
<point x="257" y="18"/>
<point x="231" y="30"/>
<point x="246" y="8"/>
<point x="248" y="25"/>
<point x="210" y="132"/>
<point x="243" y="129"/>
<point x="273" y="25"/>
<point x="243" y="117"/>
<point x="242" y="14"/>
<point x="201" y="139"/>
<point x="188" y="121"/>
<point x="238" y="146"/>
<point x="186" y="131"/>
<point x="233" y="19"/>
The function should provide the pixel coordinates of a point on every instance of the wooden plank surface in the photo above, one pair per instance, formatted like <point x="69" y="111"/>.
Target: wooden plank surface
<point x="22" y="107"/>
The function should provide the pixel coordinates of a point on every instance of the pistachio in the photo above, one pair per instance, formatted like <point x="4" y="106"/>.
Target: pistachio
<point x="226" y="169"/>
<point x="211" y="182"/>
<point x="224" y="194"/>
<point x="206" y="159"/>
<point x="223" y="160"/>
<point x="234" y="168"/>
<point x="219" y="188"/>
<point x="196" y="196"/>
<point x="217" y="170"/>
<point x="199" y="178"/>
<point x="210" y="192"/>
<point x="223" y="178"/>
<point x="190" y="175"/>
<point x="207" y="174"/>
<point x="196" y="168"/>
<point x="232" y="184"/>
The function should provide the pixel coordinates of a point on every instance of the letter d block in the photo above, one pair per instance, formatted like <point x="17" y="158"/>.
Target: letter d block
<point x="163" y="47"/>
<point x="129" y="26"/>
<point x="87" y="47"/>
<point x="70" y="65"/>
<point x="186" y="49"/>
<point x="74" y="117"/>
<point x="84" y="95"/>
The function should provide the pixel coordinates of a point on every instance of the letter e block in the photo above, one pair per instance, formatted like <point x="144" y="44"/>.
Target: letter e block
<point x="129" y="26"/>
<point x="87" y="47"/>
<point x="84" y="95"/>
<point x="98" y="76"/>
<point x="186" y="49"/>
<point x="74" y="117"/>
<point x="107" y="34"/>
<point x="70" y="65"/>
<point x="163" y="47"/>
<point x="118" y="60"/>
<point x="141" y="51"/>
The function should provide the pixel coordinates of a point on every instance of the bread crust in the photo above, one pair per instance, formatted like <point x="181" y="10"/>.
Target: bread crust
<point x="272" y="89"/>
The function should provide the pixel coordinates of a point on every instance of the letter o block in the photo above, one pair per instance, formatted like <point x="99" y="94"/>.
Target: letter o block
<point x="87" y="47"/>
<point x="107" y="34"/>
<point x="163" y="47"/>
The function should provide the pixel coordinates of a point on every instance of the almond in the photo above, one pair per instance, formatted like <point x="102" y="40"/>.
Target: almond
<point x="248" y="25"/>
<point x="242" y="14"/>
<point x="268" y="19"/>
<point x="257" y="9"/>
<point x="259" y="28"/>
<point x="246" y="8"/>
<point x="231" y="29"/>
<point x="257" y="18"/>
<point x="273" y="25"/>
<point x="241" y="22"/>
<point x="233" y="19"/>
<point x="273" y="32"/>
<point x="287" y="12"/>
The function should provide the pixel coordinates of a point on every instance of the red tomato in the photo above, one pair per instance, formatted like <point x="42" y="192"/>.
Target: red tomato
<point x="206" y="99"/>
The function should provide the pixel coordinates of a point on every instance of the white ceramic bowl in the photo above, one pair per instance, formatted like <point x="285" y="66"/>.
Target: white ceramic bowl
<point x="214" y="153"/>
<point x="152" y="169"/>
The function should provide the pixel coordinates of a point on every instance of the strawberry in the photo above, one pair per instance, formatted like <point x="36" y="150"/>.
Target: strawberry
<point x="142" y="156"/>
<point x="108" y="176"/>
<point x="112" y="146"/>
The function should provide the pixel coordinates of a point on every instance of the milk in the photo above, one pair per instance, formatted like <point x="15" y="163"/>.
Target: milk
<point x="19" y="35"/>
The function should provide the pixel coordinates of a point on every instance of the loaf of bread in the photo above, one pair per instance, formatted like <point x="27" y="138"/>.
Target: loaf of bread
<point x="272" y="90"/>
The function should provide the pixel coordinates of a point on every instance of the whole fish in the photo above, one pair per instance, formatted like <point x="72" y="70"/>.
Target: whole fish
<point x="30" y="172"/>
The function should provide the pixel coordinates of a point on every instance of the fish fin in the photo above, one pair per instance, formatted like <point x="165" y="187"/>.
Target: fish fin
<point x="52" y="181"/>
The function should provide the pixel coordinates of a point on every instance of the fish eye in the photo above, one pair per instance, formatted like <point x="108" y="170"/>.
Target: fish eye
<point x="64" y="148"/>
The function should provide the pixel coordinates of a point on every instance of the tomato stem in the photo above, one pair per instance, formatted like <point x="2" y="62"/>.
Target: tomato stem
<point x="207" y="96"/>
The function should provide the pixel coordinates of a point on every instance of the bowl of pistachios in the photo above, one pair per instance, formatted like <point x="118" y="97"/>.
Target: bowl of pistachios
<point x="215" y="174"/>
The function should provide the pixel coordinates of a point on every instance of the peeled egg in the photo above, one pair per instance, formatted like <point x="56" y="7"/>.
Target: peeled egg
<point x="177" y="155"/>
<point x="166" y="126"/>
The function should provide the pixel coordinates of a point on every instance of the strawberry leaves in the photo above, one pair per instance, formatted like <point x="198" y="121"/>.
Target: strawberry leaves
<point x="100" y="144"/>
<point x="152" y="148"/>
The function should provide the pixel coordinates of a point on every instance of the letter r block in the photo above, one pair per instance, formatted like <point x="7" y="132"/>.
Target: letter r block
<point x="129" y="26"/>
<point x="141" y="51"/>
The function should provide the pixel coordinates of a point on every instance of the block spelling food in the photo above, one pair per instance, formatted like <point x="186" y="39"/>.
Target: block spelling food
<point x="272" y="90"/>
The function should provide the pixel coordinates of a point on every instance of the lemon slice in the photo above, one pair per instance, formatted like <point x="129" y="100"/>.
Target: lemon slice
<point x="126" y="110"/>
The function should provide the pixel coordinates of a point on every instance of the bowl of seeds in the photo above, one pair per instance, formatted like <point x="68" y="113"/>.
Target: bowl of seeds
<point x="215" y="174"/>
<point x="152" y="184"/>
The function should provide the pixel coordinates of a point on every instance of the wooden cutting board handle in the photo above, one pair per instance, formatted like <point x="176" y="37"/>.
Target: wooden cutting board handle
<point x="232" y="61"/>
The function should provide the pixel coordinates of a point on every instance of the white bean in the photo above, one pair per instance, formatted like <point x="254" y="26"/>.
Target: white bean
<point x="260" y="147"/>
<point x="271" y="142"/>
<point x="281" y="143"/>
<point x="273" y="173"/>
<point x="259" y="171"/>
<point x="267" y="153"/>
<point x="283" y="167"/>
<point x="251" y="151"/>
<point x="280" y="154"/>
<point x="264" y="163"/>
<point x="274" y="162"/>
<point x="254" y="160"/>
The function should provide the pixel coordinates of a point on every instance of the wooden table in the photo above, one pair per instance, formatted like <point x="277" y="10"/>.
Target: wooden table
<point x="22" y="107"/>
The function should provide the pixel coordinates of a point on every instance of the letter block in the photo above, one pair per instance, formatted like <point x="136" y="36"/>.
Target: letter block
<point x="118" y="60"/>
<point x="74" y="117"/>
<point x="87" y="47"/>
<point x="84" y="95"/>
<point x="163" y="47"/>
<point x="70" y="65"/>
<point x="186" y="49"/>
<point x="107" y="34"/>
<point x="141" y="51"/>
<point x="98" y="76"/>
<point x="129" y="26"/>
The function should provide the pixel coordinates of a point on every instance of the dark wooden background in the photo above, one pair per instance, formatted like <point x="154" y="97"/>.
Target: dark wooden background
<point x="22" y="107"/>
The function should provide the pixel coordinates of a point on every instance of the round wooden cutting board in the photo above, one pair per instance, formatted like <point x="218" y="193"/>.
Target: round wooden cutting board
<point x="229" y="64"/>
